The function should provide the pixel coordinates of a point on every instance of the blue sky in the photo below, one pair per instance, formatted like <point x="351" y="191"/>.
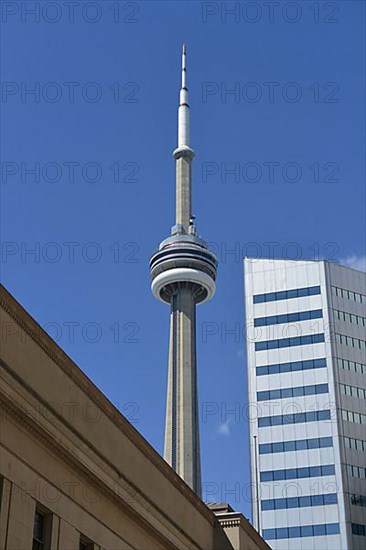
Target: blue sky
<point x="99" y="131"/>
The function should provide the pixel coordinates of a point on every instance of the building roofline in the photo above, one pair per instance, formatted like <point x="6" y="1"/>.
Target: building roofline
<point x="285" y="260"/>
<point x="324" y="261"/>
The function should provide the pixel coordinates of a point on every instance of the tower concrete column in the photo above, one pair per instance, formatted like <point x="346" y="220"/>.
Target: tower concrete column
<point x="182" y="449"/>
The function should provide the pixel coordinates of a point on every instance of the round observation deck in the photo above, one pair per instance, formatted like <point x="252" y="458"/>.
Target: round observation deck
<point x="183" y="260"/>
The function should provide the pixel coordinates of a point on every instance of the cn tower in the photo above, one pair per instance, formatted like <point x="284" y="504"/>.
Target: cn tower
<point x="183" y="273"/>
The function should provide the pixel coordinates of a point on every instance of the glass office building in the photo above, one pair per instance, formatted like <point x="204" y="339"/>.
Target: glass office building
<point x="306" y="351"/>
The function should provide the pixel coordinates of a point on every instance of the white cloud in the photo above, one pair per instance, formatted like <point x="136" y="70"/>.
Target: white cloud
<point x="357" y="262"/>
<point x="224" y="428"/>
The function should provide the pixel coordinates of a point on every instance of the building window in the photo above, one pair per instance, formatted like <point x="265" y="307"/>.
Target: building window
<point x="39" y="531"/>
<point x="354" y="417"/>
<point x="356" y="471"/>
<point x="42" y="529"/>
<point x="296" y="445"/>
<point x="299" y="502"/>
<point x="359" y="530"/>
<point x="353" y="391"/>
<point x="358" y="500"/>
<point x="288" y="318"/>
<point x="293" y="418"/>
<point x="356" y="444"/>
<point x="298" y="391"/>
<point x="286" y="294"/>
<point x="301" y="531"/>
<point x="298" y="473"/>
<point x="351" y="366"/>
<point x="85" y="543"/>
<point x="290" y="342"/>
<point x="350" y="341"/>
<point x="349" y="295"/>
<point x="292" y="366"/>
<point x="349" y="318"/>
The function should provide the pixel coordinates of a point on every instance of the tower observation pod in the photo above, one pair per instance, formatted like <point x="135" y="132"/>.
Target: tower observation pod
<point x="183" y="273"/>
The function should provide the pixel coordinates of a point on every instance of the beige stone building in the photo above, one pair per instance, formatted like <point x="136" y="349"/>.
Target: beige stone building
<point x="76" y="475"/>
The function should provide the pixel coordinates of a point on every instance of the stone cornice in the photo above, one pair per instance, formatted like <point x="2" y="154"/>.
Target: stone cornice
<point x="235" y="522"/>
<point x="236" y="519"/>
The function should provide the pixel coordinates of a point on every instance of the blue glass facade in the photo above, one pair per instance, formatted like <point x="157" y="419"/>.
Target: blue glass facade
<point x="294" y="418"/>
<point x="291" y="366"/>
<point x="298" y="473"/>
<point x="286" y="294"/>
<point x="290" y="342"/>
<point x="295" y="445"/>
<point x="288" y="318"/>
<point x="299" y="391"/>
<point x="301" y="531"/>
<point x="299" y="502"/>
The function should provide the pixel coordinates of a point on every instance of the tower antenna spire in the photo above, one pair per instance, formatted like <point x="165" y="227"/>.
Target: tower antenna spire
<point x="184" y="65"/>
<point x="183" y="111"/>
